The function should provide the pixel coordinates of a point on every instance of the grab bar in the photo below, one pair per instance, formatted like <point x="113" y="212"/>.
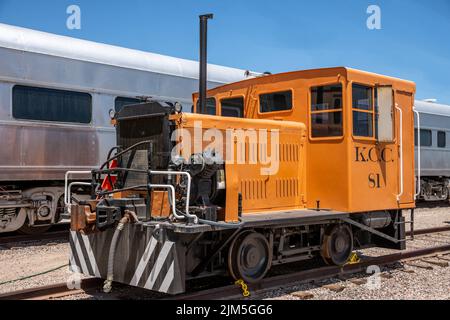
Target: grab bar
<point x="401" y="152"/>
<point x="419" y="173"/>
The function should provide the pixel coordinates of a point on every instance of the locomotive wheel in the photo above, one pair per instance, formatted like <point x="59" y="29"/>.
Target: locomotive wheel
<point x="27" y="230"/>
<point x="249" y="257"/>
<point x="445" y="193"/>
<point x="337" y="245"/>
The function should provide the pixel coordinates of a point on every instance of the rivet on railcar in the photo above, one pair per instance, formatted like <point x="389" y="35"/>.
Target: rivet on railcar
<point x="314" y="163"/>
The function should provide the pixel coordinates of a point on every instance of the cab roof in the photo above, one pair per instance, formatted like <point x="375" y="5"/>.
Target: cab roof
<point x="349" y="73"/>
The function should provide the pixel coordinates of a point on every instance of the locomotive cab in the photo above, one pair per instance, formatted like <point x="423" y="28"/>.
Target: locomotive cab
<point x="360" y="131"/>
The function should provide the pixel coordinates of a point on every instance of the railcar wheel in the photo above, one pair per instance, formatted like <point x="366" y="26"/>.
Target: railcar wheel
<point x="337" y="245"/>
<point x="27" y="230"/>
<point x="249" y="257"/>
<point x="445" y="193"/>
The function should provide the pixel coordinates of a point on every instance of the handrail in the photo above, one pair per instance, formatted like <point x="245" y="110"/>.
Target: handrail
<point x="401" y="151"/>
<point x="419" y="173"/>
<point x="67" y="187"/>
<point x="180" y="173"/>
<point x="172" y="190"/>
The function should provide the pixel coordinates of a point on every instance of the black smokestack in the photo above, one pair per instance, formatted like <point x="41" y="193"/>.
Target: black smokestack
<point x="203" y="61"/>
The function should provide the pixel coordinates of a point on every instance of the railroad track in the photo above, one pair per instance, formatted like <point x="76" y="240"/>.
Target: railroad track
<point x="53" y="235"/>
<point x="429" y="230"/>
<point x="233" y="292"/>
<point x="54" y="291"/>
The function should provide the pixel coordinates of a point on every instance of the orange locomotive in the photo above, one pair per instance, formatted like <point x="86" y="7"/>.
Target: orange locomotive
<point x="270" y="170"/>
<point x="341" y="170"/>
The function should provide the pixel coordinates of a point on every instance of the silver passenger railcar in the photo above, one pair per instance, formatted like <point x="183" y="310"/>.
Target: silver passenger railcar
<point x="434" y="141"/>
<point x="55" y="97"/>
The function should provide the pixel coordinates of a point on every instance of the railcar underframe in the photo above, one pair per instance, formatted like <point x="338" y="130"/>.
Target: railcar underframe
<point x="163" y="256"/>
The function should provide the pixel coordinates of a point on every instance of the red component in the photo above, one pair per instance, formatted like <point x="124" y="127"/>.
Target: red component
<point x="106" y="184"/>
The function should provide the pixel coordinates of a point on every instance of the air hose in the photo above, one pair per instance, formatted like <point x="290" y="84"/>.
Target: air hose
<point x="129" y="216"/>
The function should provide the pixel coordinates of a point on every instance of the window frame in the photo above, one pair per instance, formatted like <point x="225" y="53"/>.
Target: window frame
<point x="342" y="110"/>
<point x="281" y="112"/>
<point x="51" y="122"/>
<point x="374" y="112"/>
<point x="241" y="96"/>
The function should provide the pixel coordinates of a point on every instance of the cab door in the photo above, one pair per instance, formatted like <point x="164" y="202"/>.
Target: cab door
<point x="404" y="120"/>
<point x="375" y="182"/>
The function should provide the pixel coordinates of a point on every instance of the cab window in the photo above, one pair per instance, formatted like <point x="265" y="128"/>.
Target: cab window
<point x="363" y="111"/>
<point x="210" y="107"/>
<point x="275" y="101"/>
<point x="233" y="107"/>
<point x="326" y="111"/>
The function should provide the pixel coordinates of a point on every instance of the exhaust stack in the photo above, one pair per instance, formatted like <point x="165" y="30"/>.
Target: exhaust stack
<point x="203" y="60"/>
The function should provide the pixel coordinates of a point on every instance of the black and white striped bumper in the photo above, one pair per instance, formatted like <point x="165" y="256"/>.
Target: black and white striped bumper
<point x="144" y="258"/>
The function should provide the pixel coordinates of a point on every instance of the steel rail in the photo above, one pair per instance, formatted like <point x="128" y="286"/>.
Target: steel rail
<point x="54" y="235"/>
<point x="51" y="291"/>
<point x="429" y="230"/>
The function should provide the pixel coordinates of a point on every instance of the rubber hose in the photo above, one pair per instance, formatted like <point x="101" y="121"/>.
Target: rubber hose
<point x="112" y="251"/>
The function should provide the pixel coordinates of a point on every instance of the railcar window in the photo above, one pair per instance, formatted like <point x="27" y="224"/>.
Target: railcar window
<point x="210" y="107"/>
<point x="326" y="111"/>
<point x="442" y="139"/>
<point x="275" y="101"/>
<point x="32" y="103"/>
<point x="124" y="101"/>
<point x="233" y="107"/>
<point x="426" y="138"/>
<point x="363" y="111"/>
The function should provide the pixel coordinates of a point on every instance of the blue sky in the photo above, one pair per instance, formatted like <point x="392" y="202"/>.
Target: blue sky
<point x="275" y="36"/>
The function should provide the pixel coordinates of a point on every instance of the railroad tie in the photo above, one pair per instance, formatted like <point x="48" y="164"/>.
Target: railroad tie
<point x="335" y="287"/>
<point x="443" y="258"/>
<point x="303" y="295"/>
<point x="420" y="266"/>
<point x="408" y="271"/>
<point x="358" y="282"/>
<point x="443" y="264"/>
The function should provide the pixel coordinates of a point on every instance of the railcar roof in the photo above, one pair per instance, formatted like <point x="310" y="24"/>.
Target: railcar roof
<point x="432" y="108"/>
<point x="23" y="39"/>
